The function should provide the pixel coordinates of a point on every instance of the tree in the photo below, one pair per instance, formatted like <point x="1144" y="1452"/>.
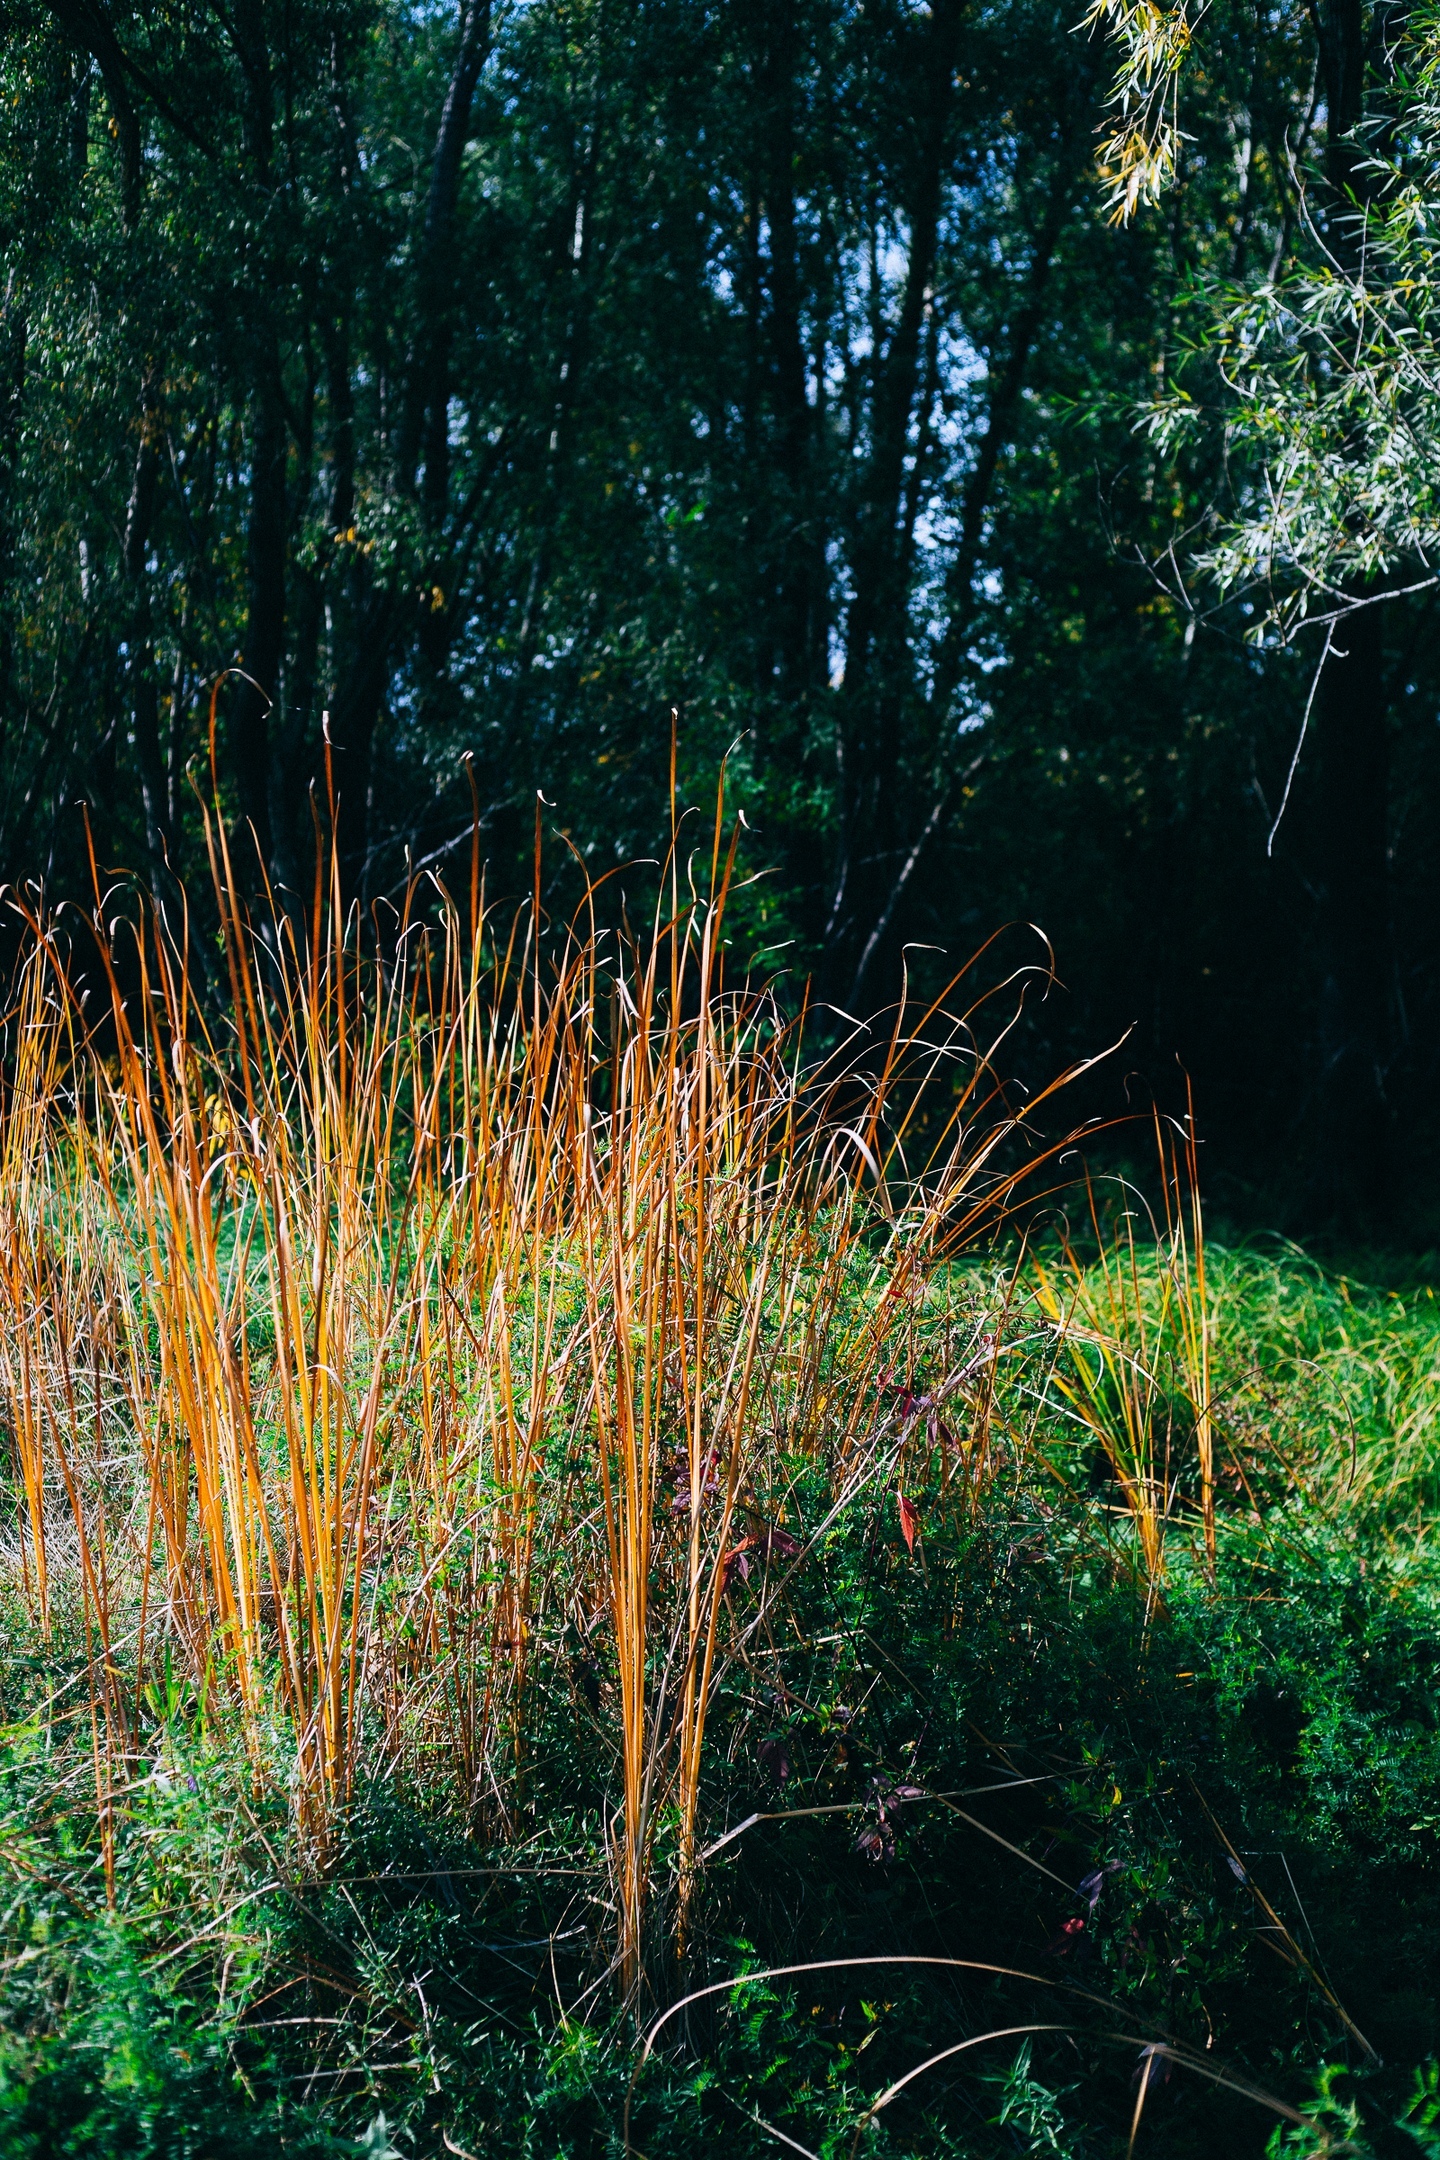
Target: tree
<point x="1327" y="404"/>
<point x="479" y="391"/>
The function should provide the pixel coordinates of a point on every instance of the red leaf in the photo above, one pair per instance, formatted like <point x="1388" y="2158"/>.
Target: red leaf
<point x="876" y="1841"/>
<point x="909" y="1519"/>
<point x="736" y="1562"/>
<point x="778" y="1544"/>
<point x="1066" y="1940"/>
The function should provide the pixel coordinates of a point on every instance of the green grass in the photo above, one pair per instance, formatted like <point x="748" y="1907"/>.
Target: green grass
<point x="1269" y="1735"/>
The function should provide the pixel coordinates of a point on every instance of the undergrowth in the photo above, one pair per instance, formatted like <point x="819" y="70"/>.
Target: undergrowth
<point x="1206" y="1813"/>
<point x="572" y="1585"/>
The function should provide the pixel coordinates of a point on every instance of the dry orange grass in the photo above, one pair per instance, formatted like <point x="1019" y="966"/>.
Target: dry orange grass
<point x="431" y="1284"/>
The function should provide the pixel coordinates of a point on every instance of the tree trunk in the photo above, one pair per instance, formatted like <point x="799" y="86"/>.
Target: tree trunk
<point x="422" y="457"/>
<point x="267" y="536"/>
<point x="873" y="612"/>
<point x="1351" y="1183"/>
<point x="929" y="814"/>
<point x="144" y="693"/>
<point x="876" y="633"/>
<point x="14" y="338"/>
<point x="425" y="425"/>
<point x="91" y="34"/>
<point x="1004" y="406"/>
<point x="264" y="651"/>
<point x="798" y="563"/>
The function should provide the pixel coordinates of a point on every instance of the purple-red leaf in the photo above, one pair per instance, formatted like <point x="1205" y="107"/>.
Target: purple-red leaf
<point x="736" y="1562"/>
<point x="778" y="1544"/>
<point x="775" y="1759"/>
<point x="876" y="1841"/>
<point x="1092" y="1884"/>
<point x="1066" y="1940"/>
<point x="909" y="1519"/>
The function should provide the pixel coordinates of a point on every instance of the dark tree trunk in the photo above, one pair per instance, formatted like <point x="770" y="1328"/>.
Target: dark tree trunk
<point x="422" y="458"/>
<point x="352" y="736"/>
<point x="425" y="425"/>
<point x="798" y="566"/>
<point x="80" y="116"/>
<point x="90" y="33"/>
<point x="877" y="956"/>
<point x="1009" y="381"/>
<point x="143" y="689"/>
<point x="876" y="632"/>
<point x="264" y="652"/>
<point x="1351" y="1182"/>
<point x="873" y="615"/>
<point x="14" y="337"/>
<point x="267" y="535"/>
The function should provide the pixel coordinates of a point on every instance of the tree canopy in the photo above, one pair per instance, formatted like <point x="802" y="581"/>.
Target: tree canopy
<point x="468" y="389"/>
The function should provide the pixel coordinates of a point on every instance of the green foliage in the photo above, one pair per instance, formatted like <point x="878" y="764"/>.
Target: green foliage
<point x="97" y="2057"/>
<point x="716" y="439"/>
<point x="1035" y="2112"/>
<point x="1328" y="380"/>
<point x="1215" y="1812"/>
<point x="1345" y="2117"/>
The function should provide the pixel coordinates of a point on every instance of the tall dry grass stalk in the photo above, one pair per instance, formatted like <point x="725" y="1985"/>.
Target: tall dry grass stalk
<point x="426" y="1291"/>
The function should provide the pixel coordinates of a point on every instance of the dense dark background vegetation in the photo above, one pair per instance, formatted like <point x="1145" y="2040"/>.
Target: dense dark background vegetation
<point x="498" y="380"/>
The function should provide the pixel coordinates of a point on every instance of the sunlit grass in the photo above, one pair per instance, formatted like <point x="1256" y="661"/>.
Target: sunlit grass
<point x="439" y="1289"/>
<point x="486" y="1370"/>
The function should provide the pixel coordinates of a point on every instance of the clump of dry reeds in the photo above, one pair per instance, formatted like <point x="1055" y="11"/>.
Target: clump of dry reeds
<point x="406" y="1288"/>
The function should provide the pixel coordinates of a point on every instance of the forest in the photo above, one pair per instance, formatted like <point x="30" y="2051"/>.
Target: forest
<point x="720" y="896"/>
<point x="501" y="386"/>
